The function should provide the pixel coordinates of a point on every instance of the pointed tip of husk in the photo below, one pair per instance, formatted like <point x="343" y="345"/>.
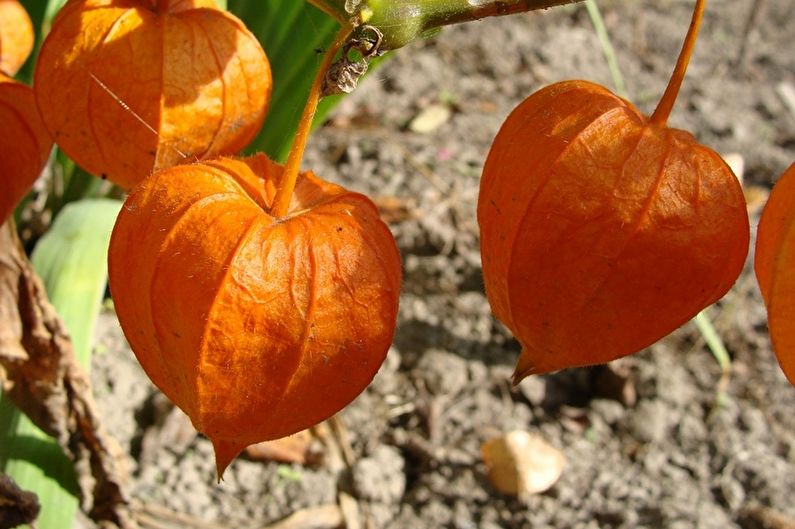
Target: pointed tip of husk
<point x="524" y="368"/>
<point x="225" y="452"/>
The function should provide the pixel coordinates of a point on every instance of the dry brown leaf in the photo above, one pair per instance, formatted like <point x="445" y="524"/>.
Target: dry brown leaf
<point x="350" y="511"/>
<point x="296" y="448"/>
<point x="755" y="197"/>
<point x="39" y="371"/>
<point x="736" y="163"/>
<point x="327" y="516"/>
<point x="395" y="209"/>
<point x="755" y="515"/>
<point x="616" y="380"/>
<point x="430" y="119"/>
<point x="17" y="506"/>
<point x="522" y="464"/>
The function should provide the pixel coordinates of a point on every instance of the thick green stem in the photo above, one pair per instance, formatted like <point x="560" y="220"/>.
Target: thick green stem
<point x="402" y="21"/>
<point x="446" y="12"/>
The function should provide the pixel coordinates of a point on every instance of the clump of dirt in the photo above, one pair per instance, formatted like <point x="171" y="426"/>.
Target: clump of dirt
<point x="649" y="442"/>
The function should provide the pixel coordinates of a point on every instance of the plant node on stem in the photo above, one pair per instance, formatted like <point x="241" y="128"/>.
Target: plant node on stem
<point x="344" y="74"/>
<point x="281" y="202"/>
<point x="666" y="104"/>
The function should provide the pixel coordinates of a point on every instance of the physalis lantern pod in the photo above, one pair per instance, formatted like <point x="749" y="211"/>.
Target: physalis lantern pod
<point x="131" y="86"/>
<point x="257" y="326"/>
<point x="774" y="262"/>
<point x="24" y="143"/>
<point x="16" y="36"/>
<point x="603" y="230"/>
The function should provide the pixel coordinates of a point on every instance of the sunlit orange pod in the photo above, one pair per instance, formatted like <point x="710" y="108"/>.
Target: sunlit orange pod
<point x="16" y="36"/>
<point x="774" y="263"/>
<point x="601" y="231"/>
<point x="131" y="86"/>
<point x="256" y="326"/>
<point x="24" y="144"/>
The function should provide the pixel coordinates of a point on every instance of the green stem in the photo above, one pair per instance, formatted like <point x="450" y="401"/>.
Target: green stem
<point x="446" y="12"/>
<point x="607" y="47"/>
<point x="402" y="21"/>
<point x="718" y="350"/>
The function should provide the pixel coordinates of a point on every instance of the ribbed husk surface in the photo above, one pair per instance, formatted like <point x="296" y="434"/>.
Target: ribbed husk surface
<point x="775" y="268"/>
<point x="257" y="327"/>
<point x="25" y="144"/>
<point x="601" y="232"/>
<point x="127" y="87"/>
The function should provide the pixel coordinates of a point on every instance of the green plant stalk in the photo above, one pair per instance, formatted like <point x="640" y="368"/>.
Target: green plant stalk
<point x="72" y="262"/>
<point x="607" y="47"/>
<point x="35" y="461"/>
<point x="402" y="21"/>
<point x="719" y="352"/>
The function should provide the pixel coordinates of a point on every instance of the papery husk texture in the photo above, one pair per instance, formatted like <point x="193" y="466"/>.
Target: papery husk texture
<point x="127" y="86"/>
<point x="774" y="262"/>
<point x="257" y="327"/>
<point x="600" y="231"/>
<point x="25" y="144"/>
<point x="16" y="36"/>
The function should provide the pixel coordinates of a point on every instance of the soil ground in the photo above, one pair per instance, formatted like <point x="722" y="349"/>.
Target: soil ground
<point x="647" y="443"/>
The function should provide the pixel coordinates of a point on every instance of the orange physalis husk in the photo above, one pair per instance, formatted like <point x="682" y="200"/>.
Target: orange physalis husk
<point x="131" y="86"/>
<point x="603" y="230"/>
<point x="774" y="263"/>
<point x="24" y="143"/>
<point x="16" y="36"/>
<point x="256" y="326"/>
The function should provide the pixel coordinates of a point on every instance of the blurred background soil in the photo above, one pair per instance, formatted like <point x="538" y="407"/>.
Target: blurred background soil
<point x="647" y="442"/>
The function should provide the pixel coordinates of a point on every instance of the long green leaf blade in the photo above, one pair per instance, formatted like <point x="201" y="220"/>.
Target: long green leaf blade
<point x="72" y="261"/>
<point x="293" y="34"/>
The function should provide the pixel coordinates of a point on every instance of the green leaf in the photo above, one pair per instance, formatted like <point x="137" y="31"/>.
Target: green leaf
<point x="37" y="464"/>
<point x="294" y="35"/>
<point x="72" y="261"/>
<point x="607" y="47"/>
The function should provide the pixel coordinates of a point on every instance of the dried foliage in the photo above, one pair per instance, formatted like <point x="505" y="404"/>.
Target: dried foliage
<point x="17" y="506"/>
<point x="39" y="372"/>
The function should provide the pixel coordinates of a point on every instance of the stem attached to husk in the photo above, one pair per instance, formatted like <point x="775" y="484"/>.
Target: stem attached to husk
<point x="666" y="104"/>
<point x="281" y="203"/>
<point x="402" y="21"/>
